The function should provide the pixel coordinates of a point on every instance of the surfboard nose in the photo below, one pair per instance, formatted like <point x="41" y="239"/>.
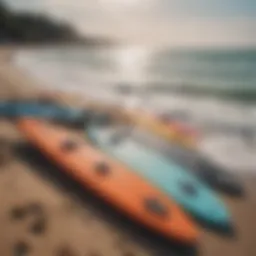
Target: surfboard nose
<point x="204" y="205"/>
<point x="220" y="216"/>
<point x="215" y="214"/>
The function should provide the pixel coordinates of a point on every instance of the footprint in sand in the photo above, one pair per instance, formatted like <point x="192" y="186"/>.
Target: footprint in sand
<point x="17" y="213"/>
<point x="36" y="227"/>
<point x="21" y="249"/>
<point x="34" y="210"/>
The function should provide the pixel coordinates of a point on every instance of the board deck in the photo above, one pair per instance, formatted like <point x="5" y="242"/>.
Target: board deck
<point x="177" y="182"/>
<point x="110" y="180"/>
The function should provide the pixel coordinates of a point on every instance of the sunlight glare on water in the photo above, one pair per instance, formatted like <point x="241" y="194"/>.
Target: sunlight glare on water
<point x="132" y="69"/>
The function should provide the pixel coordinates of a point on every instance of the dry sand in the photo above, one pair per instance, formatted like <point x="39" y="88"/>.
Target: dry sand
<point x="70" y="221"/>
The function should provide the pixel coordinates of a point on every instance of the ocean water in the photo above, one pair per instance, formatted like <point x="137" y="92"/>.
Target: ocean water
<point x="214" y="90"/>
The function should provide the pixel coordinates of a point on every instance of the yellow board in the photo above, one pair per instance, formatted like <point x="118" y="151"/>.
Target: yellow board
<point x="153" y="124"/>
<point x="149" y="122"/>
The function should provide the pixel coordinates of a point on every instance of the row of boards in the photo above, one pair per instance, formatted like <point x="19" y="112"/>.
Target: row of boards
<point x="139" y="174"/>
<point x="199" y="165"/>
<point x="142" y="183"/>
<point x="170" y="177"/>
<point x="76" y="116"/>
<point x="111" y="180"/>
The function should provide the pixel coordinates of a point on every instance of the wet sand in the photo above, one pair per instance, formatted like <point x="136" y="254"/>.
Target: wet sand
<point x="43" y="212"/>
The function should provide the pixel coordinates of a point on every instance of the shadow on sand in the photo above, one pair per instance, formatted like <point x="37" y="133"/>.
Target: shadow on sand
<point x="156" y="244"/>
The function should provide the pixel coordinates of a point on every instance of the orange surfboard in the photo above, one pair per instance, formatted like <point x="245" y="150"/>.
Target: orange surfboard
<point x="110" y="180"/>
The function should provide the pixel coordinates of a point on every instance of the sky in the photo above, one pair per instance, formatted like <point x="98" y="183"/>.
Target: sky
<point x="157" y="22"/>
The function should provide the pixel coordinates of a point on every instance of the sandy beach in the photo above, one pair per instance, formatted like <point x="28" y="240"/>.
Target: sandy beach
<point x="71" y="221"/>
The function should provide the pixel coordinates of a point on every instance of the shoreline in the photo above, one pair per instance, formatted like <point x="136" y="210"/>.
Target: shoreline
<point x="63" y="95"/>
<point x="22" y="85"/>
<point x="82" y="227"/>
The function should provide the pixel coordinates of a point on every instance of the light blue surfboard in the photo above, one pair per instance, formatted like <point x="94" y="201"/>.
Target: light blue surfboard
<point x="188" y="191"/>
